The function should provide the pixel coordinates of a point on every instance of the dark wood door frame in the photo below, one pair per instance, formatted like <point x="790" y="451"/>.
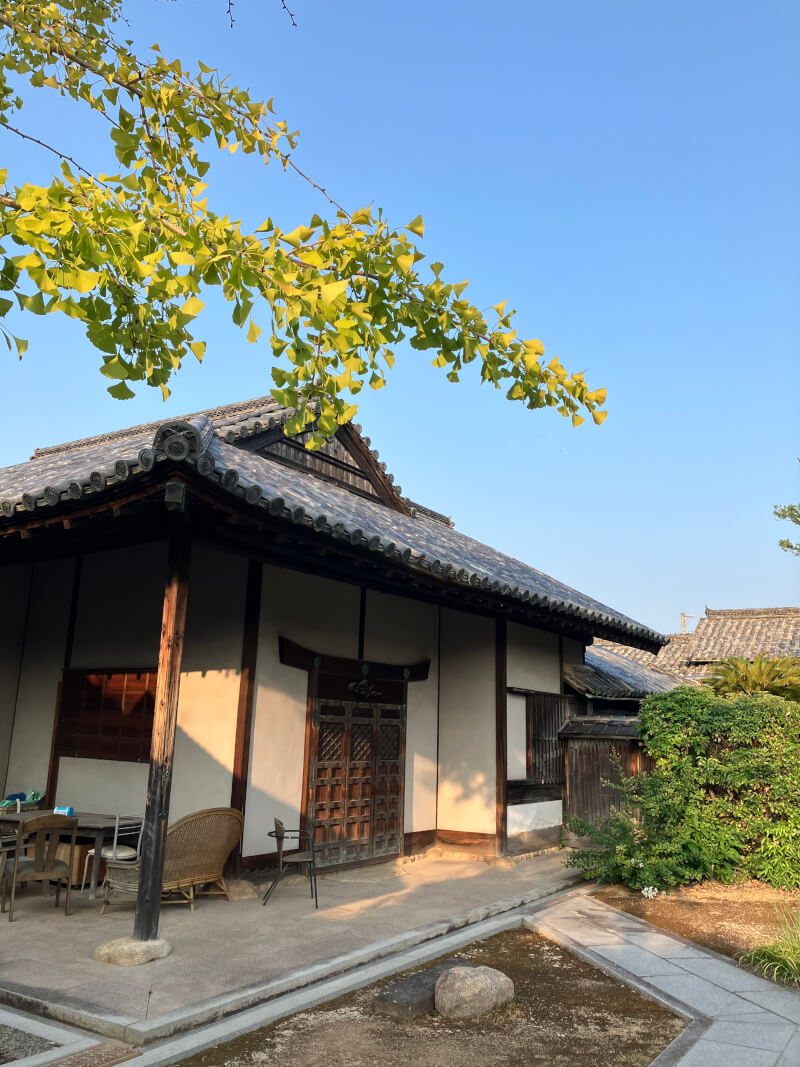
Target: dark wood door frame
<point x="360" y="671"/>
<point x="294" y="655"/>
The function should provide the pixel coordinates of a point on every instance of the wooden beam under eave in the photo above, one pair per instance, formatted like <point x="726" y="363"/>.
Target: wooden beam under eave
<point x="501" y="735"/>
<point x="247" y="688"/>
<point x="162" y="750"/>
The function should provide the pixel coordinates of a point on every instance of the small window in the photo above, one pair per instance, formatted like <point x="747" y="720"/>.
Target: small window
<point x="546" y="713"/>
<point x="107" y="715"/>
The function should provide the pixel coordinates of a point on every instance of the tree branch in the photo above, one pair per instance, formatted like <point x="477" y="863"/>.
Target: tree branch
<point x="289" y="13"/>
<point x="55" y="151"/>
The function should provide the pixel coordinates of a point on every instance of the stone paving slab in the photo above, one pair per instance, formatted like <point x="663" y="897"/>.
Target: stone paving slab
<point x="703" y="985"/>
<point x="791" y="1054"/>
<point x="705" y="997"/>
<point x="637" y="960"/>
<point x="734" y="979"/>
<point x="779" y="1001"/>
<point x="715" y="1054"/>
<point x="663" y="945"/>
<point x="772" y="1036"/>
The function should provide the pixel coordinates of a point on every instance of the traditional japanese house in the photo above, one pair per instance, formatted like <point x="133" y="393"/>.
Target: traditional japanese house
<point x="600" y="729"/>
<point x="719" y="634"/>
<point x="350" y="661"/>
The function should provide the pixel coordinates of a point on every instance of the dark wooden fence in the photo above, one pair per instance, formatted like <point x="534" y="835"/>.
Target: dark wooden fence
<point x="590" y="763"/>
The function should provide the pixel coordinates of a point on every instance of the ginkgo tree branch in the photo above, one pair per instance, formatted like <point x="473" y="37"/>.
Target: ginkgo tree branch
<point x="129" y="253"/>
<point x="48" y="147"/>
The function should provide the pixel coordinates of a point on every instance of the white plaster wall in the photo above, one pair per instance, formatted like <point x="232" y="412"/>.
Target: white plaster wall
<point x="533" y="660"/>
<point x="209" y="694"/>
<point x="118" y="621"/>
<point x="102" y="785"/>
<point x="467" y="758"/>
<point x="42" y="663"/>
<point x="540" y="816"/>
<point x="321" y="615"/>
<point x="118" y="624"/>
<point x="14" y="584"/>
<point x="516" y="761"/>
<point x="403" y="631"/>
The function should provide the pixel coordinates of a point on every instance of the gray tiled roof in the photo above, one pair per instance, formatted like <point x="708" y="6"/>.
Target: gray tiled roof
<point x="745" y="632"/>
<point x="608" y="675"/>
<point x="613" y="726"/>
<point x="206" y="443"/>
<point x="719" y="634"/>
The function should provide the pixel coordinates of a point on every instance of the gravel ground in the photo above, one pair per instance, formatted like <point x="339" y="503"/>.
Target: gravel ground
<point x="14" y="1044"/>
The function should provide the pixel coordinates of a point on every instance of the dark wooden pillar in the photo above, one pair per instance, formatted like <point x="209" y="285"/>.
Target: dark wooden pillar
<point x="247" y="687"/>
<point x="170" y="654"/>
<point x="501" y="730"/>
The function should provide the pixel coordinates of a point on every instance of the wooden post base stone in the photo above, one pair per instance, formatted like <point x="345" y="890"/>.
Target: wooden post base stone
<point x="128" y="952"/>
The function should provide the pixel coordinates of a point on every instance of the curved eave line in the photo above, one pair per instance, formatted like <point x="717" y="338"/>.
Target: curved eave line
<point x="228" y="479"/>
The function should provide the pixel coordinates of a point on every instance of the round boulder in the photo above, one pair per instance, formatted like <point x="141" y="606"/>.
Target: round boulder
<point x="469" y="992"/>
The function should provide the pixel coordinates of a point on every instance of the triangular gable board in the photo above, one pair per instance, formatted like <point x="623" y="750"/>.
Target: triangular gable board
<point x="343" y="459"/>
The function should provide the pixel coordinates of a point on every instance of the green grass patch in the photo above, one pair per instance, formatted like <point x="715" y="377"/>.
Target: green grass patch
<point x="780" y="960"/>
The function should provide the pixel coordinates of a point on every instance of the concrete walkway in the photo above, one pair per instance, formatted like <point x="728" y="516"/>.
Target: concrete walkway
<point x="739" y="1019"/>
<point x="736" y="1019"/>
<point x="231" y="955"/>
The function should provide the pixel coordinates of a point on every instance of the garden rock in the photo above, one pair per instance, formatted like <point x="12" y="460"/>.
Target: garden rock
<point x="414" y="995"/>
<point x="469" y="992"/>
<point x="126" y="952"/>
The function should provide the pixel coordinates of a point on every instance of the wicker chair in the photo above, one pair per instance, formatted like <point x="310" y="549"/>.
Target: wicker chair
<point x="197" y="847"/>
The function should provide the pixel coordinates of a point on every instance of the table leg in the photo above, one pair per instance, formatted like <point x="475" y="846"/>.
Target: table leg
<point x="98" y="848"/>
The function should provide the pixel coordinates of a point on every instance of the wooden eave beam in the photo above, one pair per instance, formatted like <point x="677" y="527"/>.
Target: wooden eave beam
<point x="383" y="487"/>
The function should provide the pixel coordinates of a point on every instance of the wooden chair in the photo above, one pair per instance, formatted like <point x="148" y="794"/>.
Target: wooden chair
<point x="305" y="859"/>
<point x="41" y="834"/>
<point x="196" y="849"/>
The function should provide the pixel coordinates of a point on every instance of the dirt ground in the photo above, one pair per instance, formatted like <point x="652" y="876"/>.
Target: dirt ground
<point x="565" y="1014"/>
<point x="727" y="918"/>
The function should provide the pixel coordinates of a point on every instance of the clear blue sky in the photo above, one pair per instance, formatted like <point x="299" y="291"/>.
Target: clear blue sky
<point x="626" y="174"/>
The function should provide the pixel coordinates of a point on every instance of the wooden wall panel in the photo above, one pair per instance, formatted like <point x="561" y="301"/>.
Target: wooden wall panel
<point x="590" y="763"/>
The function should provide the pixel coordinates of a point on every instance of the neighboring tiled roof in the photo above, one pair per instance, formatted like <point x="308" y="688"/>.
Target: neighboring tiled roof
<point x="670" y="658"/>
<point x="609" y="727"/>
<point x="609" y="676"/>
<point x="414" y="542"/>
<point x="719" y="634"/>
<point x="746" y="633"/>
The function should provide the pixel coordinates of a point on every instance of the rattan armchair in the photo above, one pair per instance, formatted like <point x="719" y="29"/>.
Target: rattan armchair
<point x="197" y="847"/>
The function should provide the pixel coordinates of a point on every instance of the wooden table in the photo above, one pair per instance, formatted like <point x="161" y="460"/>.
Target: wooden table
<point x="90" y="825"/>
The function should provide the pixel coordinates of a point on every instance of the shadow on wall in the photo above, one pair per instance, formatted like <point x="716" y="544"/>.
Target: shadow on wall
<point x="203" y="776"/>
<point x="467" y="798"/>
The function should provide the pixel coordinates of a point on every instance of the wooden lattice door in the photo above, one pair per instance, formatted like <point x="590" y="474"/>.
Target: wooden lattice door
<point x="357" y="769"/>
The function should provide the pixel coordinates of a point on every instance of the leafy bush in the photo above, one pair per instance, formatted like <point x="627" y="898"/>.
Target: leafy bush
<point x="779" y="960"/>
<point x="722" y="801"/>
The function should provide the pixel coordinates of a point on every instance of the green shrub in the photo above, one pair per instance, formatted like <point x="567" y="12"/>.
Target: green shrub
<point x="722" y="801"/>
<point x="780" y="960"/>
